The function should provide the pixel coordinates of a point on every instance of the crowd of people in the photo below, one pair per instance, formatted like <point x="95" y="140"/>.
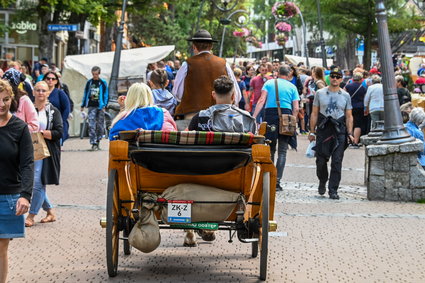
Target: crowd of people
<point x="334" y="107"/>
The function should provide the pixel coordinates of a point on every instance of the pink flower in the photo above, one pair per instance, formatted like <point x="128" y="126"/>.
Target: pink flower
<point x="282" y="26"/>
<point x="241" y="32"/>
<point x="284" y="9"/>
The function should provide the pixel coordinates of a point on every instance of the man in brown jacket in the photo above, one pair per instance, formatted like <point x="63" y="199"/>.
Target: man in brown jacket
<point x="194" y="80"/>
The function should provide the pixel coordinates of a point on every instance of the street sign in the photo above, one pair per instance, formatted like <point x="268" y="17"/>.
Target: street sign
<point x="62" y="27"/>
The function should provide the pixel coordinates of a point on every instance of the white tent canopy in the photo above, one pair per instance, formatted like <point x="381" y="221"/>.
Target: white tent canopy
<point x="133" y="63"/>
<point x="313" y="61"/>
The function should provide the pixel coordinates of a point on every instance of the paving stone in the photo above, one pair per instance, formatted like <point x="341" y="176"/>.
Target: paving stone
<point x="401" y="162"/>
<point x="376" y="190"/>
<point x="414" y="146"/>
<point x="318" y="239"/>
<point x="405" y="194"/>
<point x="417" y="177"/>
<point x="376" y="150"/>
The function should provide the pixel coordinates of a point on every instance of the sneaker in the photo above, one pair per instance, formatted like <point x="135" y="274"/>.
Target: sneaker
<point x="207" y="235"/>
<point x="333" y="195"/>
<point x="279" y="188"/>
<point x="94" y="147"/>
<point x="354" y="146"/>
<point x="322" y="188"/>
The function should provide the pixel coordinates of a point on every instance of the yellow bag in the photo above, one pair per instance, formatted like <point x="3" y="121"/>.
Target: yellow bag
<point x="41" y="150"/>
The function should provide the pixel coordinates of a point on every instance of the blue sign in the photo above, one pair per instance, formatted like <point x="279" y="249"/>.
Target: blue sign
<point x="62" y="27"/>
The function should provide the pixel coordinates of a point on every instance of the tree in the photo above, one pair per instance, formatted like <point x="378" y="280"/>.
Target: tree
<point x="345" y="18"/>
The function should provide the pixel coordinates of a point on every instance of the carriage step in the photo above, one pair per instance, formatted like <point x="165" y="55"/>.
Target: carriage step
<point x="252" y="240"/>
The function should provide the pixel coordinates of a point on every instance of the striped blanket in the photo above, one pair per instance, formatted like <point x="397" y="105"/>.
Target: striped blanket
<point x="198" y="137"/>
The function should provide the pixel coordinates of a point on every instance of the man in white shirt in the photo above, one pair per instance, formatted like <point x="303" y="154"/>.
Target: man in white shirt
<point x="194" y="80"/>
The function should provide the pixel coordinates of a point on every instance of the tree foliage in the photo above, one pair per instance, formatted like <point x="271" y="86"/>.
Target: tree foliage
<point x="345" y="17"/>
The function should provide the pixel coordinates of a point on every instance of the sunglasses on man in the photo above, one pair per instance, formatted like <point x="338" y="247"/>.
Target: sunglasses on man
<point x="335" y="76"/>
<point x="51" y="79"/>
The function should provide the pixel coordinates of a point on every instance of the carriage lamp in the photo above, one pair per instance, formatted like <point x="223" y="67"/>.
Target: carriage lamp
<point x="272" y="226"/>
<point x="102" y="222"/>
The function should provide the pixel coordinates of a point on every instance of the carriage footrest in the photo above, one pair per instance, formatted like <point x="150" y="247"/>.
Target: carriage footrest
<point x="252" y="240"/>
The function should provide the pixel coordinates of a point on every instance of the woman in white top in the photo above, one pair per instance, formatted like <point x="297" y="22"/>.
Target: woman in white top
<point x="374" y="100"/>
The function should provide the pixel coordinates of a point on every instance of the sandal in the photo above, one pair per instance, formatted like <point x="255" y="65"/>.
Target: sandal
<point x="48" y="218"/>
<point x="29" y="222"/>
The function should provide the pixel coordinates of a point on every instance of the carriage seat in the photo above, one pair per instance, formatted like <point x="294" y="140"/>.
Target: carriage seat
<point x="190" y="152"/>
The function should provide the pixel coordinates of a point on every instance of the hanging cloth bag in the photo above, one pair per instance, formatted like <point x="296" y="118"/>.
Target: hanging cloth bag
<point x="287" y="122"/>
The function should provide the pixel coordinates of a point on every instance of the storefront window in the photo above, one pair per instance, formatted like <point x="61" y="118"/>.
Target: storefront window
<point x="23" y="31"/>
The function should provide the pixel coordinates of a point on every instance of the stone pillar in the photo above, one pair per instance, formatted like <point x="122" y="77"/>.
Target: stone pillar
<point x="393" y="172"/>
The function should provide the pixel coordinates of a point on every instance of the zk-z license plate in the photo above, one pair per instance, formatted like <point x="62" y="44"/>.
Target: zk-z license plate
<point x="179" y="211"/>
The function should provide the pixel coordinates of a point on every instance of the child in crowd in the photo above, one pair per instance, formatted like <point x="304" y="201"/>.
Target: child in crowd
<point x="162" y="97"/>
<point x="244" y="102"/>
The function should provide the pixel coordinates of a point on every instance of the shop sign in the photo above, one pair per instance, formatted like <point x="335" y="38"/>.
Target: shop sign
<point x="22" y="27"/>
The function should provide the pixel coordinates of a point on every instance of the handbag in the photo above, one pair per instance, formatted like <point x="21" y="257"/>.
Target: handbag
<point x="41" y="150"/>
<point x="287" y="122"/>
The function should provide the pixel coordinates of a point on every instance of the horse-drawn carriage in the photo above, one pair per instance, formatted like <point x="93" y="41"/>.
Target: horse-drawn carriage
<point x="149" y="162"/>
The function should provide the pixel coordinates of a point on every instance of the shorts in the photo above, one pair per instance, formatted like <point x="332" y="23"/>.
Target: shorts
<point x="11" y="226"/>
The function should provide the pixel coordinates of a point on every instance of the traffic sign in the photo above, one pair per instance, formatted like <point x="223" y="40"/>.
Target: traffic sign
<point x="62" y="27"/>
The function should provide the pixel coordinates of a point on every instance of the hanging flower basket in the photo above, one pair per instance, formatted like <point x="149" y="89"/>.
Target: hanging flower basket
<point x="241" y="32"/>
<point x="281" y="39"/>
<point x="283" y="27"/>
<point x="254" y="41"/>
<point x="284" y="9"/>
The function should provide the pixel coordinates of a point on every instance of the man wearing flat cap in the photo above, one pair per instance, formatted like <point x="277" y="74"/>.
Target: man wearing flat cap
<point x="193" y="84"/>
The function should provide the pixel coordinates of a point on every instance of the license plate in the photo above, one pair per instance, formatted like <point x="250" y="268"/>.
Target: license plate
<point x="179" y="211"/>
<point x="198" y="225"/>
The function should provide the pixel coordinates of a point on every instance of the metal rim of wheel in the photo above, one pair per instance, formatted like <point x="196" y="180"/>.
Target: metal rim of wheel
<point x="112" y="231"/>
<point x="265" y="226"/>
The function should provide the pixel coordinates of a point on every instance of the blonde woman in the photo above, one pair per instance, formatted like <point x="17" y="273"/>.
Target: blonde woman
<point x="140" y="113"/>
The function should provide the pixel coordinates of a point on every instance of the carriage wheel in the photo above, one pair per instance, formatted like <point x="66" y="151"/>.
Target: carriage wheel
<point x="112" y="216"/>
<point x="265" y="226"/>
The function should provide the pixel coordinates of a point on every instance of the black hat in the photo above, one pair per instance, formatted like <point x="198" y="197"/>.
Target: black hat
<point x="202" y="36"/>
<point x="336" y="70"/>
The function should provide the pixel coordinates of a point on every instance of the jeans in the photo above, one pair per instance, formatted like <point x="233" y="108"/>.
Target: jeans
<point x="39" y="195"/>
<point x="96" y="124"/>
<point x="282" y="148"/>
<point x="336" y="166"/>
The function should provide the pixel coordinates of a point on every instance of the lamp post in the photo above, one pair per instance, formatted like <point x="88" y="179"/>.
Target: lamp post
<point x="113" y="91"/>
<point x="394" y="130"/>
<point x="304" y="40"/>
<point x="226" y="21"/>
<point x="322" y="41"/>
<point x="222" y="8"/>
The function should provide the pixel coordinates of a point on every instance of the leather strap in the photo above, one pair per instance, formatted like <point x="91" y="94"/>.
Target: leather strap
<point x="277" y="99"/>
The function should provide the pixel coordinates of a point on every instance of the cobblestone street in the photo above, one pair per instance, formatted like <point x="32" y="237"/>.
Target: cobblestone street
<point x="318" y="239"/>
